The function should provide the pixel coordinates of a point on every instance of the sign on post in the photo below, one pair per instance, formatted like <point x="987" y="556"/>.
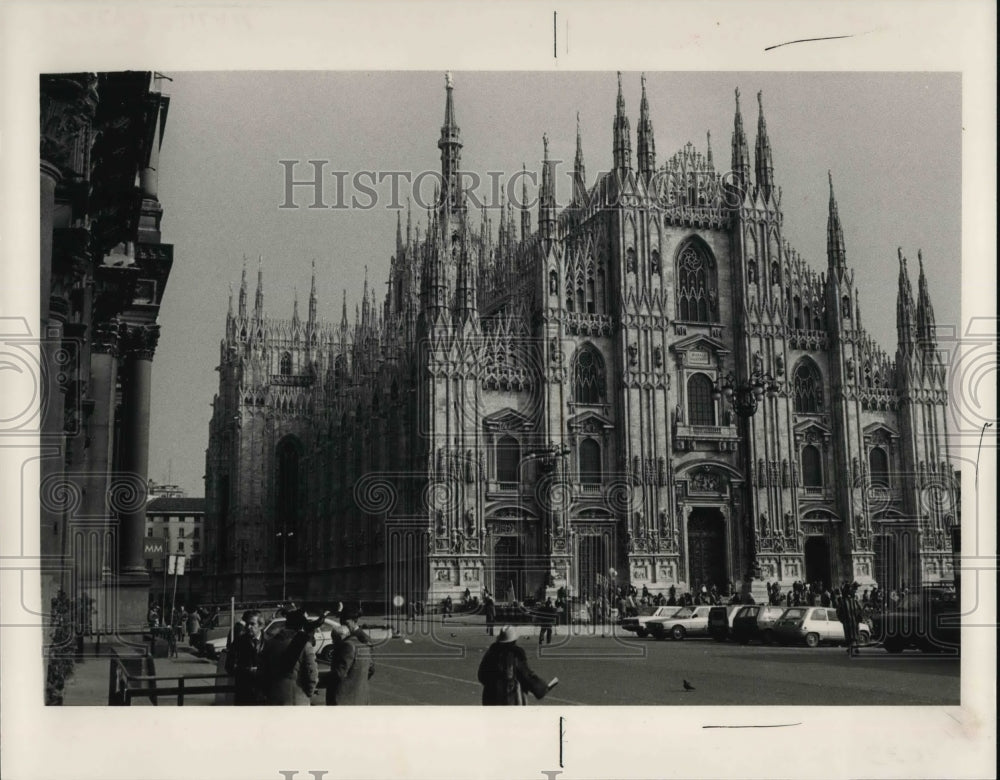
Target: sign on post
<point x="154" y="547"/>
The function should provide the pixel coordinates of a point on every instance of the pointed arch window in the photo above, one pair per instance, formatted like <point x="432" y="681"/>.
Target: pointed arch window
<point x="878" y="466"/>
<point x="808" y="387"/>
<point x="701" y="407"/>
<point x="590" y="462"/>
<point x="697" y="287"/>
<point x="812" y="469"/>
<point x="285" y="368"/>
<point x="508" y="459"/>
<point x="588" y="376"/>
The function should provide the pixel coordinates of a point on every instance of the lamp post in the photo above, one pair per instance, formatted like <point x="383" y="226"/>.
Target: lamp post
<point x="244" y="547"/>
<point x="284" y="536"/>
<point x="744" y="398"/>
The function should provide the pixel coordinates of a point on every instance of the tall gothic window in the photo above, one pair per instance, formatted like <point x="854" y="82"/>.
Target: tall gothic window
<point x="697" y="294"/>
<point x="808" y="386"/>
<point x="701" y="407"/>
<point x="590" y="462"/>
<point x="508" y="459"/>
<point x="588" y="376"/>
<point x="812" y="470"/>
<point x="286" y="364"/>
<point x="878" y="466"/>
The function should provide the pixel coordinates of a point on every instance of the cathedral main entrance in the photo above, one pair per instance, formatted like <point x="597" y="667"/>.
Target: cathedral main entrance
<point x="817" y="554"/>
<point x="508" y="570"/>
<point x="706" y="537"/>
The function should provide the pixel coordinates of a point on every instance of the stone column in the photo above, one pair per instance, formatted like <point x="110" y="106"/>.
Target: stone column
<point x="136" y="373"/>
<point x="103" y="379"/>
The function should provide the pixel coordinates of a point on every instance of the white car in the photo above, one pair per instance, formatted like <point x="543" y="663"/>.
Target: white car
<point x="689" y="621"/>
<point x="637" y="624"/>
<point x="815" y="625"/>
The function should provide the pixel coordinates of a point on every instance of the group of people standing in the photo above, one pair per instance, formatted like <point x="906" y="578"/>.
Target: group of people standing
<point x="282" y="669"/>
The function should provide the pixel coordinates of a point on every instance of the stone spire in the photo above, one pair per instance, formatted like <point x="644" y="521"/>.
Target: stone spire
<point x="579" y="171"/>
<point x="243" y="290"/>
<point x="622" y="133"/>
<point x="646" y="142"/>
<point x="258" y="304"/>
<point x="525" y="213"/>
<point x="708" y="153"/>
<point x="836" y="257"/>
<point x="312" y="296"/>
<point x="295" y="305"/>
<point x="450" y="145"/>
<point x="764" y="167"/>
<point x="741" y="152"/>
<point x="399" y="234"/>
<point x="925" y="312"/>
<point x="905" y="310"/>
<point x="547" y="195"/>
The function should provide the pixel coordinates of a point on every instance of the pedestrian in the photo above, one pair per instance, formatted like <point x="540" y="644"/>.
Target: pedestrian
<point x="288" y="662"/>
<point x="849" y="613"/>
<point x="243" y="661"/>
<point x="505" y="675"/>
<point x="547" y="619"/>
<point x="352" y="665"/>
<point x="490" y="607"/>
<point x="194" y="628"/>
<point x="446" y="607"/>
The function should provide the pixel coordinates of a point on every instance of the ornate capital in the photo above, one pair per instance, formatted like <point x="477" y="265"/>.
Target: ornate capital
<point x="142" y="341"/>
<point x="106" y="338"/>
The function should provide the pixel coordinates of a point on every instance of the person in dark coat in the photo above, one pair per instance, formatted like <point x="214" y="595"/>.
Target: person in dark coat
<point x="505" y="675"/>
<point x="244" y="661"/>
<point x="548" y="615"/>
<point x="849" y="613"/>
<point x="288" y="662"/>
<point x="352" y="665"/>
<point x="490" y="607"/>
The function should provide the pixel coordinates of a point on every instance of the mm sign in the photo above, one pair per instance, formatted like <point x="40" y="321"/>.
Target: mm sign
<point x="154" y="547"/>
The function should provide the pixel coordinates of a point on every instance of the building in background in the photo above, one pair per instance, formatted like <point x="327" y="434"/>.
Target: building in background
<point x="648" y="386"/>
<point x="180" y="522"/>
<point x="104" y="271"/>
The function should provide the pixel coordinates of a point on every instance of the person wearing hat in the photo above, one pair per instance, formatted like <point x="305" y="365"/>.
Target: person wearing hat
<point x="288" y="662"/>
<point x="505" y="675"/>
<point x="352" y="665"/>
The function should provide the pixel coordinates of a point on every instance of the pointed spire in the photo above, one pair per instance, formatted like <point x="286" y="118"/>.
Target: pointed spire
<point x="399" y="234"/>
<point x="450" y="145"/>
<point x="343" y="313"/>
<point x="764" y="167"/>
<point x="925" y="311"/>
<point x="409" y="208"/>
<point x="243" y="290"/>
<point x="708" y="142"/>
<point x="622" y="147"/>
<point x="525" y="213"/>
<point x="579" y="170"/>
<point x="295" y="304"/>
<point x="312" y="295"/>
<point x="646" y="141"/>
<point x="546" y="195"/>
<point x="258" y="306"/>
<point x="905" y="315"/>
<point x="229" y="312"/>
<point x="741" y="153"/>
<point x="836" y="257"/>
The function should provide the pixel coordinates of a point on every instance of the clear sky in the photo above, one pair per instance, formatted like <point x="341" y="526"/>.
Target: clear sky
<point x="892" y="141"/>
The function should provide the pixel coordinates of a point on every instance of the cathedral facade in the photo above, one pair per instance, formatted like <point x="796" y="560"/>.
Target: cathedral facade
<point x="646" y="386"/>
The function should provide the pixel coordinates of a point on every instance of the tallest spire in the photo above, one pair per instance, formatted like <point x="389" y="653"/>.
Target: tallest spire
<point x="764" y="167"/>
<point x="622" y="133"/>
<point x="579" y="171"/>
<point x="646" y="142"/>
<point x="925" y="312"/>
<point x="741" y="152"/>
<point x="836" y="257"/>
<point x="258" y="304"/>
<point x="450" y="145"/>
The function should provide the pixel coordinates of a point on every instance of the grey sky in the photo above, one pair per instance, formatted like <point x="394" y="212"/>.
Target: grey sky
<point x="892" y="141"/>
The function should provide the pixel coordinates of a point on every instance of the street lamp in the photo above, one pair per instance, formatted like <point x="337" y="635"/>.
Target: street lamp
<point x="244" y="547"/>
<point x="284" y="536"/>
<point x="743" y="398"/>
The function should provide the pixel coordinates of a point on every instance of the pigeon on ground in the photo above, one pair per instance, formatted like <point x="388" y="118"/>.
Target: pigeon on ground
<point x="688" y="686"/>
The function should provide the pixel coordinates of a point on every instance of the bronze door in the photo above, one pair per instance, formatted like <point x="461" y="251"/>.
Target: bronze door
<point x="706" y="549"/>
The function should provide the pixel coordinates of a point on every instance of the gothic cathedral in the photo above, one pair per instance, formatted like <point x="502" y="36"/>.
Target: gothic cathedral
<point x="649" y="386"/>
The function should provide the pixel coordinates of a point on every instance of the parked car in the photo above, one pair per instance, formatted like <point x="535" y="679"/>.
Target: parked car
<point x="929" y="620"/>
<point x="719" y="620"/>
<point x="637" y="624"/>
<point x="815" y="625"/>
<point x="324" y="638"/>
<point x="756" y="622"/>
<point x="689" y="621"/>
